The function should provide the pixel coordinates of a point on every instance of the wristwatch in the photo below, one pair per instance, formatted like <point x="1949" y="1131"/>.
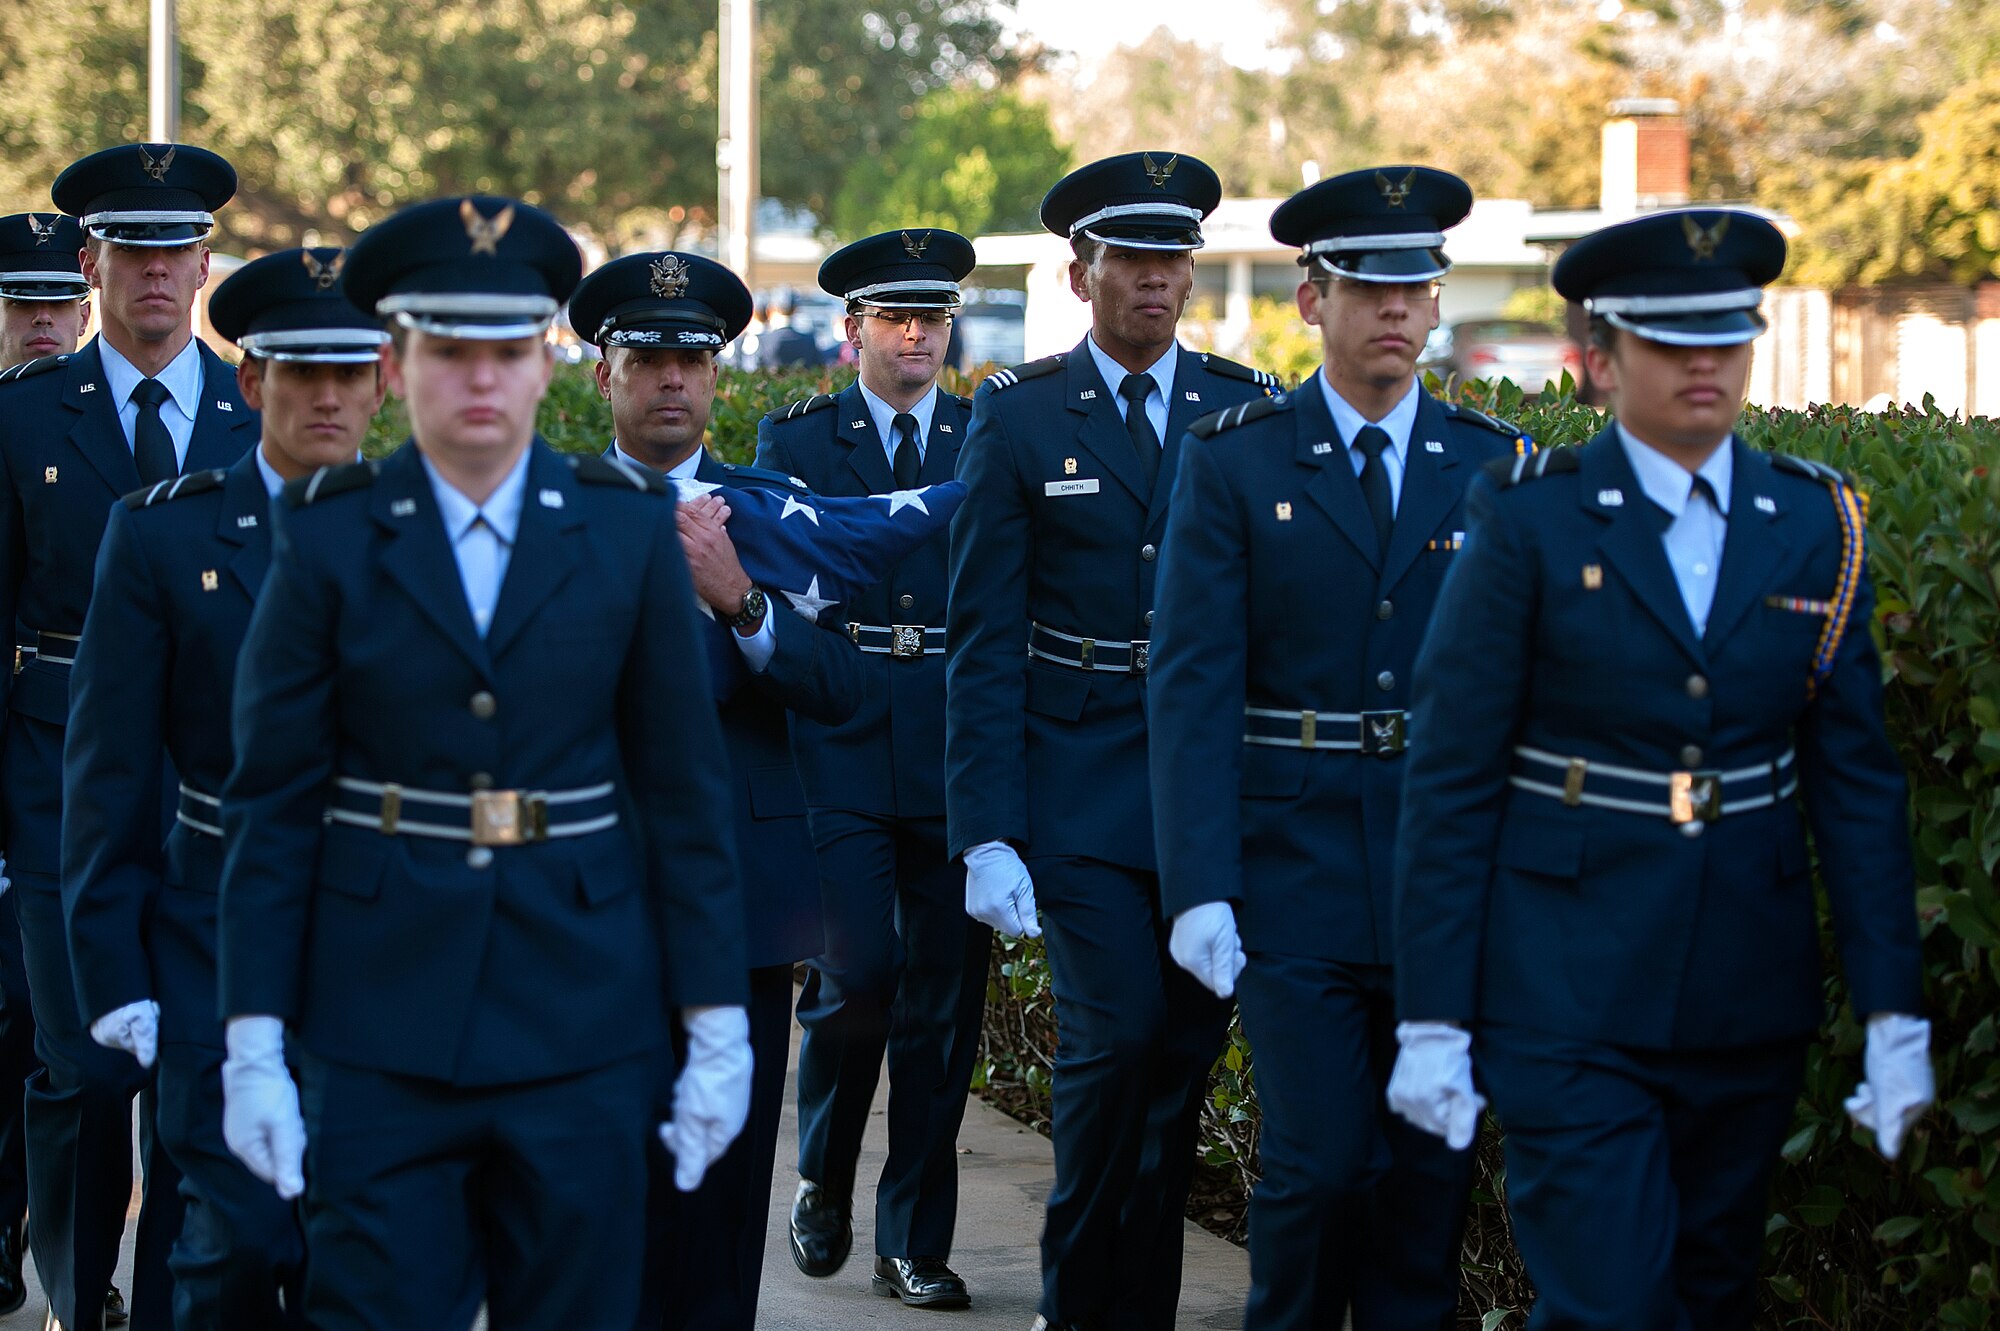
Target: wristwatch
<point x="752" y="611"/>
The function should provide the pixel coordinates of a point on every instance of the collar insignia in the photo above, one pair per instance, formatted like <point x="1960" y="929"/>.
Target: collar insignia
<point x="324" y="275"/>
<point x="156" y="167"/>
<point x="1702" y="241"/>
<point x="669" y="275"/>
<point x="485" y="233"/>
<point x="1155" y="173"/>
<point x="1395" y="193"/>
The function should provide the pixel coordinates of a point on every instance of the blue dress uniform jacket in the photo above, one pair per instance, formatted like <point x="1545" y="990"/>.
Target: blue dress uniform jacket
<point x="888" y="759"/>
<point x="1607" y="926"/>
<point x="412" y="955"/>
<point x="65" y="462"/>
<point x="1056" y="530"/>
<point x="1276" y="597"/>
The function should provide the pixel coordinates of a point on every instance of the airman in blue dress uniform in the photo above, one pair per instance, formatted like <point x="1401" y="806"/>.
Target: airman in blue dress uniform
<point x="142" y="402"/>
<point x="1309" y="536"/>
<point x="661" y="319"/>
<point x="474" y="846"/>
<point x="44" y="308"/>
<point x="1069" y="463"/>
<point x="1658" y="674"/>
<point x="904" y="969"/>
<point x="178" y="574"/>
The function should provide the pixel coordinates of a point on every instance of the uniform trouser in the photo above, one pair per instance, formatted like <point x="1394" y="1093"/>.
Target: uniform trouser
<point x="705" y="1249"/>
<point x="1137" y="1037"/>
<point x="240" y="1262"/>
<point x="78" y="1120"/>
<point x="1638" y="1180"/>
<point x="1357" y="1210"/>
<point x="423" y="1198"/>
<point x="17" y="1064"/>
<point x="903" y="974"/>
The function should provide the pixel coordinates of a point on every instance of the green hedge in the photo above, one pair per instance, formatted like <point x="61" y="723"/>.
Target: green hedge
<point x="1853" y="1242"/>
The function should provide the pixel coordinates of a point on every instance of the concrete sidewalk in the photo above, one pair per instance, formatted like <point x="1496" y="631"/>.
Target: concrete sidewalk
<point x="1005" y="1171"/>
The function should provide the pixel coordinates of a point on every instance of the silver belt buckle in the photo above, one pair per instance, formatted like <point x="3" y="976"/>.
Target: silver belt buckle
<point x="1141" y="651"/>
<point x="906" y="640"/>
<point x="1694" y="797"/>
<point x="1384" y="734"/>
<point x="508" y="818"/>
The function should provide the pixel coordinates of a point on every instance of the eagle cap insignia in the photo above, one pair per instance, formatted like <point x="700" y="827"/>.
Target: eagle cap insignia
<point x="669" y="277"/>
<point x="914" y="246"/>
<point x="43" y="233"/>
<point x="1395" y="193"/>
<point x="156" y="167"/>
<point x="1702" y="241"/>
<point x="1156" y="173"/>
<point x="324" y="275"/>
<point x="484" y="232"/>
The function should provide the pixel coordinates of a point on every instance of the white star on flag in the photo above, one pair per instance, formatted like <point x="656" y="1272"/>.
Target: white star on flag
<point x="902" y="499"/>
<point x="808" y="602"/>
<point x="794" y="506"/>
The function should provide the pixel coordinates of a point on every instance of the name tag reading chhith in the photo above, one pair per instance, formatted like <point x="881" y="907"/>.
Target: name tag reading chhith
<point x="1077" y="487"/>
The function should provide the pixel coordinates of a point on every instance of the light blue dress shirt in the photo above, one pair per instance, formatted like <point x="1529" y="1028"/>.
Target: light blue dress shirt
<point x="1162" y="371"/>
<point x="1694" y="539"/>
<point x="482" y="535"/>
<point x="884" y="417"/>
<point x="760" y="646"/>
<point x="1402" y="419"/>
<point x="272" y="481"/>
<point x="182" y="379"/>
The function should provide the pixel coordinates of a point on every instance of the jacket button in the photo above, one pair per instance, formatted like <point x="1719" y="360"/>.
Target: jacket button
<point x="1149" y="619"/>
<point x="484" y="704"/>
<point x="1697" y="686"/>
<point x="481" y="781"/>
<point x="1691" y="756"/>
<point x="1385" y="681"/>
<point x="1148" y="551"/>
<point x="906" y="600"/>
<point x="1384" y="610"/>
<point x="479" y="857"/>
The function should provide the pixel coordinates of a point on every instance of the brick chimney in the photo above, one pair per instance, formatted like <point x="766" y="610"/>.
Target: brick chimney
<point x="1645" y="163"/>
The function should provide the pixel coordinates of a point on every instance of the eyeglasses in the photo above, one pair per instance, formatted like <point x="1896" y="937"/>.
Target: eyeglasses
<point x="929" y="320"/>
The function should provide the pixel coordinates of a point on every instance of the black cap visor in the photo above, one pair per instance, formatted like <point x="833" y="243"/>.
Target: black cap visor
<point x="43" y="286"/>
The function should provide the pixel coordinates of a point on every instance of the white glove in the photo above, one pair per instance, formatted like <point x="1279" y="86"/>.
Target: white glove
<point x="5" y="881"/>
<point x="712" y="1094"/>
<point x="260" y="1105"/>
<point x="1431" y="1084"/>
<point x="135" y="1028"/>
<point x="1205" y="945"/>
<point x="998" y="891"/>
<point x="1899" y="1085"/>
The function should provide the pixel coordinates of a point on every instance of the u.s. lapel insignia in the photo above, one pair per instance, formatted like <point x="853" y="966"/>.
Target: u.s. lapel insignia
<point x="1593" y="577"/>
<point x="551" y="498"/>
<point x="484" y="232"/>
<point x="1765" y="504"/>
<point x="943" y="428"/>
<point x="1087" y="395"/>
<point x="668" y="277"/>
<point x="209" y="582"/>
<point x="1284" y="511"/>
<point x="246" y="520"/>
<point x="1611" y="498"/>
<point x="1156" y="173"/>
<point x="86" y="388"/>
<point x="1433" y="446"/>
<point x="1069" y="467"/>
<point x="48" y="475"/>
<point x="1703" y="240"/>
<point x="403" y="508"/>
<point x="156" y="167"/>
<point x="1193" y="396"/>
<point x="220" y="405"/>
<point x="1395" y="193"/>
<point x="1321" y="449"/>
<point x="914" y="246"/>
<point x="857" y="425"/>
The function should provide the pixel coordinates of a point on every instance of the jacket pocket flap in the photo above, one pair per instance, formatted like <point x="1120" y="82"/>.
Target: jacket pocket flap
<point x="1534" y="846"/>
<point x="1273" y="773"/>
<point x="775" y="793"/>
<point x="42" y="692"/>
<point x="1057" y="693"/>
<point x="351" y="861"/>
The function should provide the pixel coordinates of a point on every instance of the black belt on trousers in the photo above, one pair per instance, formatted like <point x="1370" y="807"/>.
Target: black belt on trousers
<point x="482" y="817"/>
<point x="44" y="645"/>
<point x="1112" y="655"/>
<point x="1377" y="734"/>
<point x="898" y="640"/>
<point x="1700" y="796"/>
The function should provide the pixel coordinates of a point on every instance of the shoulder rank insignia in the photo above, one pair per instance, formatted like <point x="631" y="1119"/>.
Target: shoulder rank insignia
<point x="739" y="475"/>
<point x="28" y="369"/>
<point x="193" y="483"/>
<point x="594" y="469"/>
<point x="1817" y="471"/>
<point x="1230" y="369"/>
<point x="1514" y="434"/>
<point x="1256" y="409"/>
<point x="329" y="481"/>
<point x="1533" y="466"/>
<point x="1001" y="380"/>
<point x="817" y="402"/>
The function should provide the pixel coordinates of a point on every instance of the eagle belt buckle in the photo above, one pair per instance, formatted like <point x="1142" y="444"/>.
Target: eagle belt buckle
<point x="906" y="640"/>
<point x="508" y="818"/>
<point x="1384" y="734"/>
<point x="1141" y="652"/>
<point x="1694" y="797"/>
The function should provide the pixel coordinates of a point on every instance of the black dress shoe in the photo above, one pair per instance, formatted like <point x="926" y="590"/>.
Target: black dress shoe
<point x="13" y="1289"/>
<point x="114" y="1308"/>
<point x="822" y="1231"/>
<point x="921" y="1282"/>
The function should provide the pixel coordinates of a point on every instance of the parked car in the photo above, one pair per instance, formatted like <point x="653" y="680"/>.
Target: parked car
<point x="1533" y="355"/>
